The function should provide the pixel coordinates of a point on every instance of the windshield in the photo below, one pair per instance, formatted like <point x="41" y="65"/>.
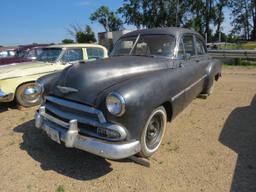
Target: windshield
<point x="33" y="53"/>
<point x="49" y="54"/>
<point x="145" y="45"/>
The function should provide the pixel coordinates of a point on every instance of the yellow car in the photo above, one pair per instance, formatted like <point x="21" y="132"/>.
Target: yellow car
<point x="17" y="81"/>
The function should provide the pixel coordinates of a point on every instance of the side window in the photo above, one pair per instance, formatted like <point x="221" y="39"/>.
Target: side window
<point x="180" y="53"/>
<point x="74" y="54"/>
<point x="141" y="48"/>
<point x="189" y="45"/>
<point x="95" y="53"/>
<point x="200" y="47"/>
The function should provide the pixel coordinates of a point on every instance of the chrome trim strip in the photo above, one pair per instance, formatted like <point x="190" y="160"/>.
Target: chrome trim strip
<point x="65" y="90"/>
<point x="193" y="84"/>
<point x="188" y="88"/>
<point x="77" y="106"/>
<point x="30" y="74"/>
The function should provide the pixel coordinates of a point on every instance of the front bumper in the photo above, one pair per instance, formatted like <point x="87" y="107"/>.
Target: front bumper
<point x="6" y="97"/>
<point x="72" y="138"/>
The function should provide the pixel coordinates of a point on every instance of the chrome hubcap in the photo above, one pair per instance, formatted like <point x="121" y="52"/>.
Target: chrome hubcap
<point x="31" y="94"/>
<point x="154" y="131"/>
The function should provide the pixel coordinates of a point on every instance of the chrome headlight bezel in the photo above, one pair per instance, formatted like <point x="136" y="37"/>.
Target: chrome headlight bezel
<point x="115" y="104"/>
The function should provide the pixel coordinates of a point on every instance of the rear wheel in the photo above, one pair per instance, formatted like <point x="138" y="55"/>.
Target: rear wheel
<point x="28" y="95"/>
<point x="153" y="132"/>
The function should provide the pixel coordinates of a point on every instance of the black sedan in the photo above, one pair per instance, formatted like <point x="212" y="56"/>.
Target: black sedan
<point x="119" y="106"/>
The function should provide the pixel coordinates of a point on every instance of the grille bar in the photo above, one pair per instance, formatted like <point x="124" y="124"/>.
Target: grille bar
<point x="70" y="116"/>
<point x="78" y="107"/>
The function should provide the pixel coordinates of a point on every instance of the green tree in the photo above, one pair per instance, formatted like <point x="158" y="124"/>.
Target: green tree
<point x="241" y="17"/>
<point x="219" y="16"/>
<point x="253" y="12"/>
<point x="82" y="35"/>
<point x="67" y="41"/>
<point x="154" y="13"/>
<point x="108" y="19"/>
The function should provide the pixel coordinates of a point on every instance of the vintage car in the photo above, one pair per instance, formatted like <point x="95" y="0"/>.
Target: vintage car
<point x="17" y="82"/>
<point x="23" y="54"/>
<point x="119" y="107"/>
<point x="7" y="53"/>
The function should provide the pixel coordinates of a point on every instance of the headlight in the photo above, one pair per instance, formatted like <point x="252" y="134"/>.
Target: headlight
<point x="115" y="104"/>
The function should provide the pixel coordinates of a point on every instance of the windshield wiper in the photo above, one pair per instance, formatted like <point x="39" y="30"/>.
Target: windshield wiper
<point x="117" y="55"/>
<point x="144" y="55"/>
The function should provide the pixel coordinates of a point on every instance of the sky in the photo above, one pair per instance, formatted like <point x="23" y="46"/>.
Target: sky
<point x="31" y="21"/>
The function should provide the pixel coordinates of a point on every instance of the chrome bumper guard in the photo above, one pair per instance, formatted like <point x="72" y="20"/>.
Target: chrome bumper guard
<point x="72" y="138"/>
<point x="5" y="97"/>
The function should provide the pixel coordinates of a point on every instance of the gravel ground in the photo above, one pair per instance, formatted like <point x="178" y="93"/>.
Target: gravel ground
<point x="211" y="146"/>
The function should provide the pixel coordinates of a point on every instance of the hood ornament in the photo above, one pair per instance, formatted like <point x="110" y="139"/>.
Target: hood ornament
<point x="65" y="90"/>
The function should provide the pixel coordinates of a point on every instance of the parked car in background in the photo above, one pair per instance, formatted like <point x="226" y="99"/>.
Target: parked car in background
<point x="119" y="106"/>
<point x="6" y="53"/>
<point x="17" y="82"/>
<point x="23" y="54"/>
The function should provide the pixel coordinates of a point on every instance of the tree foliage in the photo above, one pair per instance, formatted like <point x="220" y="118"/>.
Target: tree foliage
<point x="67" y="41"/>
<point x="205" y="16"/>
<point x="154" y="13"/>
<point x="108" y="19"/>
<point x="82" y="35"/>
<point x="199" y="14"/>
<point x="241" y="15"/>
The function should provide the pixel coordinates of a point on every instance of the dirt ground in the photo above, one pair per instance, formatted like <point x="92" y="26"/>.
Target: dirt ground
<point x="211" y="146"/>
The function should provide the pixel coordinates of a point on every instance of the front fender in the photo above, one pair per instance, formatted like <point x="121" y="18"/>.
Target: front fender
<point x="9" y="86"/>
<point x="142" y="95"/>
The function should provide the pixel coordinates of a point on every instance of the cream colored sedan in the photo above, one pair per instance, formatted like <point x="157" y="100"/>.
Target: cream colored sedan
<point x="17" y="81"/>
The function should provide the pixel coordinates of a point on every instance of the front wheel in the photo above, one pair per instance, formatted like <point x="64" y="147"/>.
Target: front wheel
<point x="28" y="95"/>
<point x="153" y="132"/>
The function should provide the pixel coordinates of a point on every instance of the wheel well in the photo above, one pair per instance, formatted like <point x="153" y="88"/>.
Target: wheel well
<point x="168" y="108"/>
<point x="217" y="76"/>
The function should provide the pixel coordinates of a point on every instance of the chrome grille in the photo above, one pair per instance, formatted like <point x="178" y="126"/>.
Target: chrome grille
<point x="88" y="118"/>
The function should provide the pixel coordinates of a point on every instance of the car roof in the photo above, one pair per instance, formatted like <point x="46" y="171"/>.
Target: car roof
<point x="175" y="31"/>
<point x="73" y="45"/>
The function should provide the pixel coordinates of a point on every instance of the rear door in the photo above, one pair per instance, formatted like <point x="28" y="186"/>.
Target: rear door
<point x="202" y="56"/>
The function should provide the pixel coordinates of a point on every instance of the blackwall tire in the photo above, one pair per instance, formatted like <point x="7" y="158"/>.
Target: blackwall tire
<point x="153" y="132"/>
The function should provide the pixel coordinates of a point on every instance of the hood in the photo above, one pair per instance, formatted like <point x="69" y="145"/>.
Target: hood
<point x="23" y="69"/>
<point x="92" y="78"/>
